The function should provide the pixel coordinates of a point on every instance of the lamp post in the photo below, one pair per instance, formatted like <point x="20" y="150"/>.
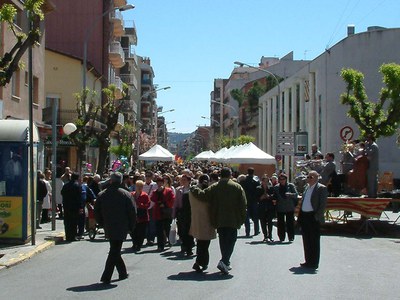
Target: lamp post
<point x="139" y="115"/>
<point x="163" y="112"/>
<point x="89" y="31"/>
<point x="241" y="64"/>
<point x="212" y="120"/>
<point x="235" y="110"/>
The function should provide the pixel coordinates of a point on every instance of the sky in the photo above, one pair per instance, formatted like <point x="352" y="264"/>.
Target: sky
<point x="192" y="42"/>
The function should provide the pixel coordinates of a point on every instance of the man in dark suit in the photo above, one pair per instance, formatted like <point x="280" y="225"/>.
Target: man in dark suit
<point x="311" y="216"/>
<point x="71" y="193"/>
<point x="115" y="212"/>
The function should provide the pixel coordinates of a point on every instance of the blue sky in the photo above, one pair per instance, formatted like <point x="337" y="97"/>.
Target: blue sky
<point x="192" y="42"/>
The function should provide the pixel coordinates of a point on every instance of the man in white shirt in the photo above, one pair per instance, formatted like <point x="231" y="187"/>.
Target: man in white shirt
<point x="311" y="217"/>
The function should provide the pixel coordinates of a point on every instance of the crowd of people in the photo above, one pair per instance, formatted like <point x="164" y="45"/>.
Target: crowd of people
<point x="203" y="200"/>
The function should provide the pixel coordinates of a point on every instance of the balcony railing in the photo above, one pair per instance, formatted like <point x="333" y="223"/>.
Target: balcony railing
<point x="64" y="116"/>
<point x="130" y="31"/>
<point x="118" y="86"/>
<point x="130" y="79"/>
<point x="116" y="55"/>
<point x="118" y="23"/>
<point x="127" y="105"/>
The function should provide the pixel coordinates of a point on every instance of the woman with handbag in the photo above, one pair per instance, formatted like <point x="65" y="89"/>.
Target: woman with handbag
<point x="163" y="199"/>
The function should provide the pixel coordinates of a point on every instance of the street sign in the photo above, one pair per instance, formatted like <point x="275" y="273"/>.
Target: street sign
<point x="346" y="133"/>
<point x="285" y="143"/>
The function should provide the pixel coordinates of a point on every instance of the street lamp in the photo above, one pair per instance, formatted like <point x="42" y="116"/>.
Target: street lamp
<point x="89" y="30"/>
<point x="241" y="64"/>
<point x="212" y="120"/>
<point x="163" y="112"/>
<point x="235" y="110"/>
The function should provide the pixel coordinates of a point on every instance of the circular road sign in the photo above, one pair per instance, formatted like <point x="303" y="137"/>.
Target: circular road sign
<point x="346" y="133"/>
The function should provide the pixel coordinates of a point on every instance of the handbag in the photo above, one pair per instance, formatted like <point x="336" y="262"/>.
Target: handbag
<point x="172" y="233"/>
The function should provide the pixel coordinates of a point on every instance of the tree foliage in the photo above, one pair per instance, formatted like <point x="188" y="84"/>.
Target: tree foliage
<point x="11" y="60"/>
<point x="379" y="118"/>
<point x="241" y="140"/>
<point x="126" y="139"/>
<point x="87" y="111"/>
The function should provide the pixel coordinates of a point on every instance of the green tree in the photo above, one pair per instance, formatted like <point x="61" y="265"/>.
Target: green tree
<point x="87" y="112"/>
<point x="379" y="118"/>
<point x="11" y="60"/>
<point x="126" y="139"/>
<point x="109" y="116"/>
<point x="243" y="139"/>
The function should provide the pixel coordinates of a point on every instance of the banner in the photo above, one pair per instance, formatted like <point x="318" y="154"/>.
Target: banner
<point x="11" y="217"/>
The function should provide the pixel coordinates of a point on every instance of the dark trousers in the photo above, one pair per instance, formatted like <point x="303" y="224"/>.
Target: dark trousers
<point x="310" y="231"/>
<point x="139" y="234"/>
<point x="227" y="238"/>
<point x="70" y="224"/>
<point x="114" y="259"/>
<point x="203" y="256"/>
<point x="163" y="227"/>
<point x="81" y="223"/>
<point x="183" y="232"/>
<point x="252" y="213"/>
<point x="266" y="217"/>
<point x="151" y="230"/>
<point x="45" y="216"/>
<point x="286" y="224"/>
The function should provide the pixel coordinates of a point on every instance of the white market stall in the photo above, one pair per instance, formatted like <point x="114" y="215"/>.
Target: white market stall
<point x="157" y="153"/>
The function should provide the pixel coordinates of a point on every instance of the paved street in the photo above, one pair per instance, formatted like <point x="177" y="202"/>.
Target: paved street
<point x="352" y="267"/>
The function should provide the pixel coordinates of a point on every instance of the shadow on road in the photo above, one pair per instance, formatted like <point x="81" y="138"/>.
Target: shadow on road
<point x="92" y="287"/>
<point x="302" y="271"/>
<point x="194" y="276"/>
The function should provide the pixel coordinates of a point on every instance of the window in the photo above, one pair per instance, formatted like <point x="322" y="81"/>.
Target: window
<point x="35" y="90"/>
<point x="15" y="84"/>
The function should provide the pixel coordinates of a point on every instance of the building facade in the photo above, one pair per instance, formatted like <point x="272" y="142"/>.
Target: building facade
<point x="309" y="100"/>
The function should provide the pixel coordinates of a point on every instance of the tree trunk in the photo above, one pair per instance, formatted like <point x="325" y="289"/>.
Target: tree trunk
<point x="103" y="153"/>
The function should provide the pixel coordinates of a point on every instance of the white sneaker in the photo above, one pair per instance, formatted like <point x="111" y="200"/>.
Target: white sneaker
<point x="222" y="267"/>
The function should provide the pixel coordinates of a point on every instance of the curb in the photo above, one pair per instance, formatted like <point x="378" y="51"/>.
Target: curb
<point x="22" y="257"/>
<point x="53" y="240"/>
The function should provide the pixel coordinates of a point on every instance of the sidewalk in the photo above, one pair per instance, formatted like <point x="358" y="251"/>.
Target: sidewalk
<point x="11" y="255"/>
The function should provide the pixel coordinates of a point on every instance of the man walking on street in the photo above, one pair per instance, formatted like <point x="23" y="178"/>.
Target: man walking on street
<point x="115" y="212"/>
<point x="311" y="216"/>
<point x="228" y="212"/>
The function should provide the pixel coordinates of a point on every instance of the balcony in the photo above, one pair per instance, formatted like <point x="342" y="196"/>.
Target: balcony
<point x="118" y="3"/>
<point x="118" y="87"/>
<point x="116" y="55"/>
<point x="146" y="115"/>
<point x="127" y="106"/>
<point x="130" y="79"/>
<point x="147" y="82"/>
<point x="64" y="116"/>
<point x="130" y="31"/>
<point x="118" y="23"/>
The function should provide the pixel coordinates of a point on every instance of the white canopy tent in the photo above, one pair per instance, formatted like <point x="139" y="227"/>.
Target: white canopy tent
<point x="157" y="152"/>
<point x="205" y="155"/>
<point x="249" y="154"/>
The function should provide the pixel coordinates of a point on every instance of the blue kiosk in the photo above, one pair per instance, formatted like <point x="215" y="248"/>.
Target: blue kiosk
<point x="15" y="204"/>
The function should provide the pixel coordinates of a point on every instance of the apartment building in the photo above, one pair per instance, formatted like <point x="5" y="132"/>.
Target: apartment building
<point x="14" y="97"/>
<point x="89" y="48"/>
<point x="308" y="101"/>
